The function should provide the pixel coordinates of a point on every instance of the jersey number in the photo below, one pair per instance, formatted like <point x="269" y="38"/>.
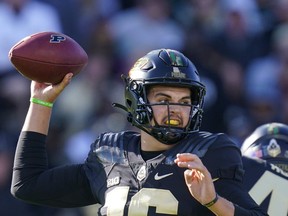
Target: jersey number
<point x="162" y="200"/>
<point x="277" y="186"/>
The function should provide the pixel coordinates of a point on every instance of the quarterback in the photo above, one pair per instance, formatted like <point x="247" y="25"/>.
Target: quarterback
<point x="169" y="168"/>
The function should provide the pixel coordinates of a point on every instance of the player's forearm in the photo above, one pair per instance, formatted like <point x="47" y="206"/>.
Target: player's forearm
<point x="224" y="207"/>
<point x="37" y="119"/>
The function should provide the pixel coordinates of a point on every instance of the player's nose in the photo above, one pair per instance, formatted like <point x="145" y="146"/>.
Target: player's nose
<point x="173" y="108"/>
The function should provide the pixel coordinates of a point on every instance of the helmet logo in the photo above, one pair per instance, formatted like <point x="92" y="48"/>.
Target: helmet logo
<point x="273" y="148"/>
<point x="177" y="73"/>
<point x="176" y="62"/>
<point x="138" y="64"/>
<point x="175" y="59"/>
<point x="273" y="129"/>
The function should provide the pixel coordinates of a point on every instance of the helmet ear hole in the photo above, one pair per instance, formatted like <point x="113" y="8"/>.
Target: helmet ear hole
<point x="135" y="87"/>
<point x="141" y="117"/>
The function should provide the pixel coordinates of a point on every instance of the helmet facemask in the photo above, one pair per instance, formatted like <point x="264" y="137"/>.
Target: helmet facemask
<point x="169" y="133"/>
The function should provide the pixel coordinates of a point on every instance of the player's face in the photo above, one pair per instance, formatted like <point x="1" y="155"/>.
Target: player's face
<point x="179" y="115"/>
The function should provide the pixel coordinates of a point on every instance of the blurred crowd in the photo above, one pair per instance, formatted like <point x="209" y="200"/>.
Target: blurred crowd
<point x="240" y="48"/>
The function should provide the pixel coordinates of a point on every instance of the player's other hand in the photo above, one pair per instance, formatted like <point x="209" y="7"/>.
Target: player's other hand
<point x="48" y="92"/>
<point x="197" y="177"/>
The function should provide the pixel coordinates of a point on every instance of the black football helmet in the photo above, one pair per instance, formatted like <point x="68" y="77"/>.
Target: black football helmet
<point x="269" y="142"/>
<point x="162" y="67"/>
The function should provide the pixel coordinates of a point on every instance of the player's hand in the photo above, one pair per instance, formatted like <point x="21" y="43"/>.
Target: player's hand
<point x="47" y="92"/>
<point x="197" y="177"/>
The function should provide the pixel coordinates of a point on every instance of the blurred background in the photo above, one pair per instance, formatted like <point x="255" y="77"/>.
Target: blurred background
<point x="240" y="48"/>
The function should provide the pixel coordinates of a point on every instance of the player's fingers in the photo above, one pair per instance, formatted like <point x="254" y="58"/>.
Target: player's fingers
<point x="36" y="86"/>
<point x="188" y="160"/>
<point x="186" y="157"/>
<point x="193" y="175"/>
<point x="190" y="165"/>
<point x="37" y="89"/>
<point x="48" y="92"/>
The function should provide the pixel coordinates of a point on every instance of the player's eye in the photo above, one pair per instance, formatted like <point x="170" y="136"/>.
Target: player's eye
<point x="186" y="102"/>
<point x="163" y="100"/>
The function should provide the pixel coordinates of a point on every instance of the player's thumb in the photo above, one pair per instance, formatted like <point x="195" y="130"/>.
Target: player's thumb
<point x="58" y="88"/>
<point x="66" y="80"/>
<point x="188" y="175"/>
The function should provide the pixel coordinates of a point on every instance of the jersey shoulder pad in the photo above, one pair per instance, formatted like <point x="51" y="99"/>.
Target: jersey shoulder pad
<point x="115" y="139"/>
<point x="109" y="147"/>
<point x="199" y="142"/>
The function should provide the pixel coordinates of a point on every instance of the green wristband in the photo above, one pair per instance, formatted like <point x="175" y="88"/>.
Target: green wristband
<point x="41" y="102"/>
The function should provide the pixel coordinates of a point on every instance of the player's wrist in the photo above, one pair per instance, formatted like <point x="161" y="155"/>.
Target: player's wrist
<point x="41" y="102"/>
<point x="212" y="202"/>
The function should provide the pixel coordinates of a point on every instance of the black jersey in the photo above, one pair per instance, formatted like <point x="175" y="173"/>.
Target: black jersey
<point x="132" y="186"/>
<point x="116" y="176"/>
<point x="268" y="185"/>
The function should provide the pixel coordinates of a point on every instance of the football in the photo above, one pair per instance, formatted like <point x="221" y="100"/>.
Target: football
<point x="47" y="57"/>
